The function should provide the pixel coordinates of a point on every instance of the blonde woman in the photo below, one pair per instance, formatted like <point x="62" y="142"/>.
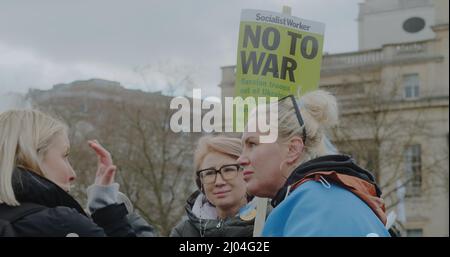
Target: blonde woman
<point x="314" y="191"/>
<point x="35" y="177"/>
<point x="219" y="208"/>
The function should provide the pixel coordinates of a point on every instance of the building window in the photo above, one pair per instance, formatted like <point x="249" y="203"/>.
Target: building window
<point x="413" y="173"/>
<point x="417" y="232"/>
<point x="411" y="86"/>
<point x="414" y="25"/>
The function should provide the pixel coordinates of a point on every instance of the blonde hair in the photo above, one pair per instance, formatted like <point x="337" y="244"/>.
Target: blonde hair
<point x="25" y="136"/>
<point x="220" y="144"/>
<point x="319" y="111"/>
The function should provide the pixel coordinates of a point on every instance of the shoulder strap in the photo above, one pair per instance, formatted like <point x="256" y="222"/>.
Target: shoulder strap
<point x="14" y="213"/>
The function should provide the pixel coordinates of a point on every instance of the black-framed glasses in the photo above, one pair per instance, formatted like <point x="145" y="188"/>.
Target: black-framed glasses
<point x="297" y="113"/>
<point x="209" y="175"/>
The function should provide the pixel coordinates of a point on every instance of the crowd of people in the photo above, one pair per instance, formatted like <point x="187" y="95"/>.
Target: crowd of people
<point x="313" y="190"/>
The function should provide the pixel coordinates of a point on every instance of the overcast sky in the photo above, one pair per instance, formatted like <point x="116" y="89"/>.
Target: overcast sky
<point x="141" y="44"/>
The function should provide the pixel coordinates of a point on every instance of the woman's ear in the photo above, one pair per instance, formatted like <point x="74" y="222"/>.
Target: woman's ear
<point x="295" y="148"/>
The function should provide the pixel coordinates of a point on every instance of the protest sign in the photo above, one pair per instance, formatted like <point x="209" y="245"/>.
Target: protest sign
<point x="278" y="55"/>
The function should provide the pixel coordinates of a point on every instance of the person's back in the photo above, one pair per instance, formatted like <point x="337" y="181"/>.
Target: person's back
<point x="314" y="209"/>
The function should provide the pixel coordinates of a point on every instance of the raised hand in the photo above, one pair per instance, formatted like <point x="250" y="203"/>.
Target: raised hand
<point x="106" y="170"/>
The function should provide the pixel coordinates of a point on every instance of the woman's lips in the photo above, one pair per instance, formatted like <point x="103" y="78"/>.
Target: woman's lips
<point x="221" y="194"/>
<point x="247" y="172"/>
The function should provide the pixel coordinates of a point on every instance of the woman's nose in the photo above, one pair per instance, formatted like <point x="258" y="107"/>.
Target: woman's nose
<point x="243" y="161"/>
<point x="219" y="180"/>
<point x="73" y="175"/>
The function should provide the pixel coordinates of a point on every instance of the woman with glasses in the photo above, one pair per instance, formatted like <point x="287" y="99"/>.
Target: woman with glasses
<point x="219" y="208"/>
<point x="314" y="191"/>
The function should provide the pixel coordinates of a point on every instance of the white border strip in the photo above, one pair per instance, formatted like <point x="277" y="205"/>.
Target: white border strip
<point x="250" y="15"/>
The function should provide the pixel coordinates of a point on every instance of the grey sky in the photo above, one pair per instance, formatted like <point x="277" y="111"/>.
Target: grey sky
<point x="43" y="43"/>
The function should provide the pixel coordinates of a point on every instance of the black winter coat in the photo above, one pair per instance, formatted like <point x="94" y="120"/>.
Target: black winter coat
<point x="62" y="214"/>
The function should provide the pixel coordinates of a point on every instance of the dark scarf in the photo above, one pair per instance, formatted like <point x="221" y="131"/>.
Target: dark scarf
<point x="342" y="164"/>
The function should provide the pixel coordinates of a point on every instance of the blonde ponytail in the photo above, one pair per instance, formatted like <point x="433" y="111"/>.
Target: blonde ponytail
<point x="319" y="111"/>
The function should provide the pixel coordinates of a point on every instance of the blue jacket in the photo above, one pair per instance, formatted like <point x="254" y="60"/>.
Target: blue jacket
<point x="323" y="207"/>
<point x="314" y="210"/>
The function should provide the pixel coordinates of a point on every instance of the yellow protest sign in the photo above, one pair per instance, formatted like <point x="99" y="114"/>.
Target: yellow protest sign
<point x="278" y="55"/>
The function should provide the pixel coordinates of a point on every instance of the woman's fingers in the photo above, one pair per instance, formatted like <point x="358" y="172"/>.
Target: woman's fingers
<point x="98" y="152"/>
<point x="103" y="155"/>
<point x="101" y="169"/>
<point x="108" y="177"/>
<point x="106" y="170"/>
<point x="95" y="147"/>
<point x="98" y="148"/>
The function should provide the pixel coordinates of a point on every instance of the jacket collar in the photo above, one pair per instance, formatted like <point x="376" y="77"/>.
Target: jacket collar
<point x="31" y="187"/>
<point x="210" y="226"/>
<point x="342" y="164"/>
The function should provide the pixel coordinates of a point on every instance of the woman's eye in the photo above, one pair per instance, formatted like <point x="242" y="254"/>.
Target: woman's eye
<point x="209" y="173"/>
<point x="251" y="144"/>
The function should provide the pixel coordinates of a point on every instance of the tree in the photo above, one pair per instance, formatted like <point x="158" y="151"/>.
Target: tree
<point x="157" y="163"/>
<point x="378" y="127"/>
<point x="154" y="164"/>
